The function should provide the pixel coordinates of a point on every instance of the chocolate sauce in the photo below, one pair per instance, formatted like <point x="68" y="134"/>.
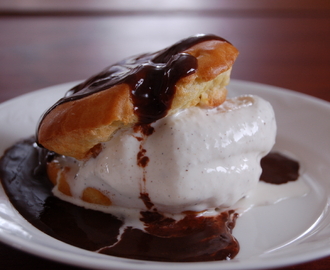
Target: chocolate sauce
<point x="145" y="130"/>
<point x="190" y="239"/>
<point x="24" y="178"/>
<point x="146" y="200"/>
<point x="151" y="77"/>
<point x="142" y="159"/>
<point x="279" y="169"/>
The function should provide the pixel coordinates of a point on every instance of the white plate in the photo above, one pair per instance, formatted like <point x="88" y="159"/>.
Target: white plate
<point x="289" y="232"/>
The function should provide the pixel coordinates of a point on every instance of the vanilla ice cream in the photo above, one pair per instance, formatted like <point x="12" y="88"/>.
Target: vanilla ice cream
<point x="199" y="159"/>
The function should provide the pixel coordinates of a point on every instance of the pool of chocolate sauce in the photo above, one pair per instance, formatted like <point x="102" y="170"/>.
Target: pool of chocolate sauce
<point x="23" y="176"/>
<point x="278" y="169"/>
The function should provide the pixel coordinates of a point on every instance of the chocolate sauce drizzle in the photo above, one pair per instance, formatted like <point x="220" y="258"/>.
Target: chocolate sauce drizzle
<point x="146" y="200"/>
<point x="151" y="77"/>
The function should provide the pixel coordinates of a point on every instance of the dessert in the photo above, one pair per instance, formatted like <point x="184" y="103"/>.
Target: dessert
<point x="148" y="155"/>
<point x="140" y="90"/>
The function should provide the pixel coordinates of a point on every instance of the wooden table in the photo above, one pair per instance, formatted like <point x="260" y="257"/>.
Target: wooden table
<point x="282" y="43"/>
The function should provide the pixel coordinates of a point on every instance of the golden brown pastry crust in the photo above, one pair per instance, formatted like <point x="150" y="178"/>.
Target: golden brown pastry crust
<point x="59" y="176"/>
<point x="74" y="128"/>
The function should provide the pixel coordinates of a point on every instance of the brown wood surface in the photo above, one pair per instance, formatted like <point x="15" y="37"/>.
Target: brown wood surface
<point x="44" y="43"/>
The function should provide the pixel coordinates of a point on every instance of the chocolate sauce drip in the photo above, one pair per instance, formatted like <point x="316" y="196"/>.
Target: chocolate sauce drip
<point x="142" y="159"/>
<point x="279" y="169"/>
<point x="145" y="130"/>
<point x="153" y="218"/>
<point x="146" y="200"/>
<point x="151" y="77"/>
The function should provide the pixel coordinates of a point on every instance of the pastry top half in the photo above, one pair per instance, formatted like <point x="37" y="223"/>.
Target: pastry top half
<point x="138" y="91"/>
